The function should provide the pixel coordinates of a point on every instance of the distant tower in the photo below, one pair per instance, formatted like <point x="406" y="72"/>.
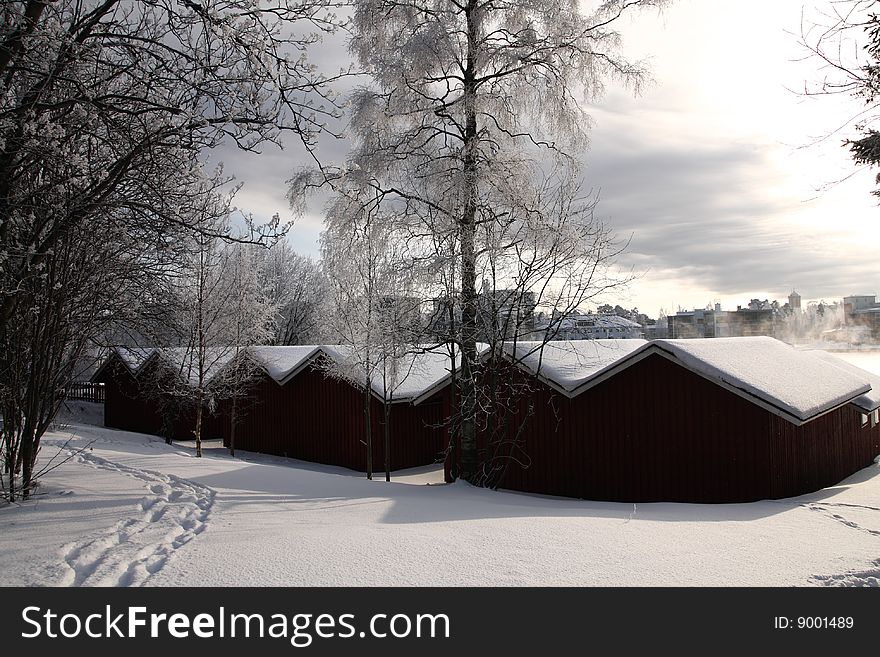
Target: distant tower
<point x="794" y="301"/>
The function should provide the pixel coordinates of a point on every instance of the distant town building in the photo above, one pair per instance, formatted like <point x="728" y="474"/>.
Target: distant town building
<point x="858" y="303"/>
<point x="758" y="319"/>
<point x="591" y="326"/>
<point x="500" y="313"/>
<point x="404" y="313"/>
<point x="746" y="322"/>
<point x="656" y="330"/>
<point x="706" y="323"/>
<point x="862" y="311"/>
<point x="794" y="301"/>
<point x="505" y="313"/>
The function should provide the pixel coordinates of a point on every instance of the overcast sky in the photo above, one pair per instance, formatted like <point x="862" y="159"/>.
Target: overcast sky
<point x="717" y="171"/>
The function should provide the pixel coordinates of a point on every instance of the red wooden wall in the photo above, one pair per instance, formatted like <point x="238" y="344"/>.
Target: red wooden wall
<point x="658" y="432"/>
<point x="320" y="419"/>
<point x="129" y="406"/>
<point x="124" y="405"/>
<point x="821" y="453"/>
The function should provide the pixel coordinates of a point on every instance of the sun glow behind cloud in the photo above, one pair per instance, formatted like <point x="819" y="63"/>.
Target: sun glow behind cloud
<point x="722" y="172"/>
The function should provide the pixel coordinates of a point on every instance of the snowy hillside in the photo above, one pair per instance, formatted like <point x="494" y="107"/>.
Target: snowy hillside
<point x="130" y="510"/>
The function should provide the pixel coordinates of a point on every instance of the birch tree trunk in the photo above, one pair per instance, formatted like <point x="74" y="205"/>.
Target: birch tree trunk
<point x="467" y="229"/>
<point x="368" y="402"/>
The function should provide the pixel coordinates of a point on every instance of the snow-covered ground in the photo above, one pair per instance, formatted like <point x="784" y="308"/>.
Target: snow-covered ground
<point x="126" y="509"/>
<point x="867" y="360"/>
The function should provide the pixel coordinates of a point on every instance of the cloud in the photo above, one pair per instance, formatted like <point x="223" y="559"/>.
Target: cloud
<point x="722" y="215"/>
<point x="698" y="172"/>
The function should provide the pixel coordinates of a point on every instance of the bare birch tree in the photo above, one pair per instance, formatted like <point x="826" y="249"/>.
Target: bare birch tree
<point x="251" y="321"/>
<point x="370" y="309"/>
<point x="106" y="108"/>
<point x="218" y="309"/>
<point x="296" y="285"/>
<point x="468" y="102"/>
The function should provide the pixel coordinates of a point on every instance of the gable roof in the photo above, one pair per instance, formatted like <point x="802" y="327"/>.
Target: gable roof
<point x="796" y="385"/>
<point x="133" y="358"/>
<point x="614" y="321"/>
<point x="420" y="374"/>
<point x="443" y="360"/>
<point x="184" y="362"/>
<point x="284" y="362"/>
<point x="567" y="364"/>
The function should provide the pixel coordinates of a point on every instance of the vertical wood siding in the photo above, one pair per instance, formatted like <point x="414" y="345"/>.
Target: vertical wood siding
<point x="658" y="432"/>
<point x="129" y="408"/>
<point x="320" y="419"/>
<point x="821" y="453"/>
<point x="654" y="432"/>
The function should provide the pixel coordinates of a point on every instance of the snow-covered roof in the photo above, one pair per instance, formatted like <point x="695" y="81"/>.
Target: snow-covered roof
<point x="421" y="372"/>
<point x="283" y="363"/>
<point x="185" y="362"/>
<point x="869" y="401"/>
<point x="617" y="321"/>
<point x="797" y="385"/>
<point x="418" y="374"/>
<point x="591" y="322"/>
<point x="567" y="364"/>
<point x="134" y="357"/>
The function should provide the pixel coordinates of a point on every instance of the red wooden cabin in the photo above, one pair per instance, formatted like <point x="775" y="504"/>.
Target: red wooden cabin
<point x="295" y="409"/>
<point x="720" y="420"/>
<point x="134" y="380"/>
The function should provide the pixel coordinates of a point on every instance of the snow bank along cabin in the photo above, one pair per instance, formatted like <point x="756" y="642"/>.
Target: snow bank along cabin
<point x="292" y="408"/>
<point x="721" y="420"/>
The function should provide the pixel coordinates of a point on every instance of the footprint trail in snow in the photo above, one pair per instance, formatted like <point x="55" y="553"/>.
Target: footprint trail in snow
<point x="173" y="513"/>
<point x="866" y="577"/>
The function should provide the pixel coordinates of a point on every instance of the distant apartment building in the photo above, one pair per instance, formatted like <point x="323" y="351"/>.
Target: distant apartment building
<point x="705" y="323"/>
<point x="500" y="313"/>
<point x="864" y="311"/>
<point x="505" y="313"/>
<point x="745" y="322"/>
<point x="657" y="330"/>
<point x="591" y="326"/>
<point x="404" y="313"/>
<point x="717" y="323"/>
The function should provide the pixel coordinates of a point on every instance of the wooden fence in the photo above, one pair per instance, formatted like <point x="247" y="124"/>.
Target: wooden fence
<point x="85" y="391"/>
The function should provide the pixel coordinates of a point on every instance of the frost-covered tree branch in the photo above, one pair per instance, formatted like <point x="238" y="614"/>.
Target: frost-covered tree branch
<point x="471" y="124"/>
<point x="844" y="40"/>
<point x="107" y="110"/>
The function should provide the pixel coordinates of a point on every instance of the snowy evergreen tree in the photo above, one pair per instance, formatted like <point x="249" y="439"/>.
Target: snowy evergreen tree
<point x="844" y="38"/>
